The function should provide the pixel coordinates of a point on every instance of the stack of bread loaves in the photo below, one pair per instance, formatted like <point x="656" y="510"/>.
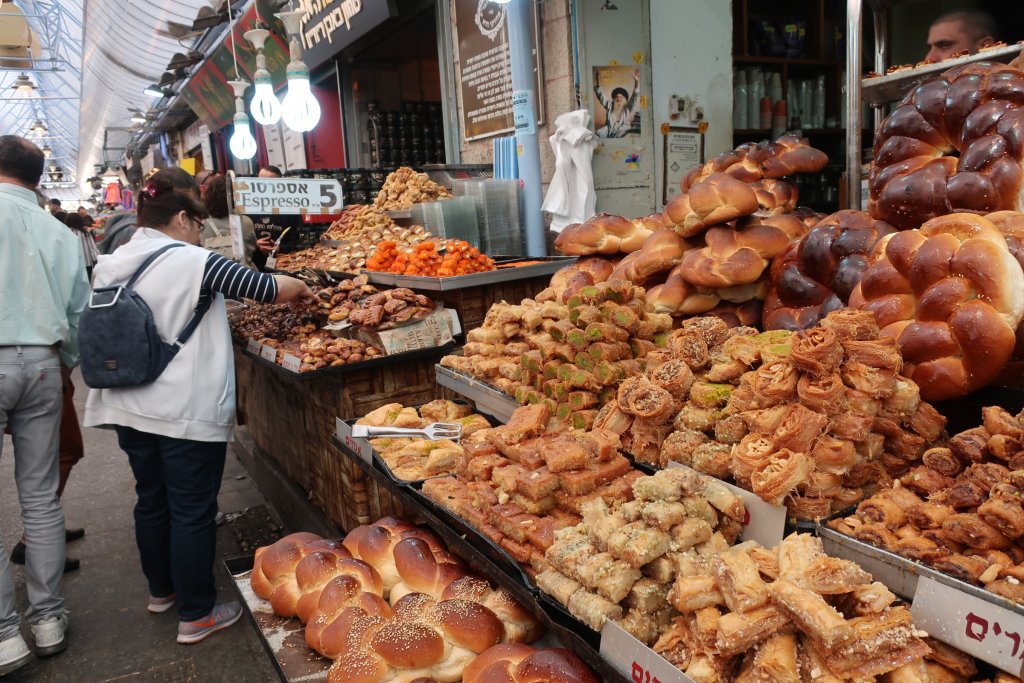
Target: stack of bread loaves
<point x="388" y="603"/>
<point x="714" y="243"/>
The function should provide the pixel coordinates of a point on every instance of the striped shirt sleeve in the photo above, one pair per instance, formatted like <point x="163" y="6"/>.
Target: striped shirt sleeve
<point x="235" y="281"/>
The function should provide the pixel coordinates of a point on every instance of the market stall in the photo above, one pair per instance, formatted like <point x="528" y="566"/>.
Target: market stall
<point x="735" y="441"/>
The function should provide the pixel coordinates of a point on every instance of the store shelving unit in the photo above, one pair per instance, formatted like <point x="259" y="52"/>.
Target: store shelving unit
<point x="886" y="89"/>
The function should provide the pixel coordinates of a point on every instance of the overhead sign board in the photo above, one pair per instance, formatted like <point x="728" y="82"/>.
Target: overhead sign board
<point x="329" y="26"/>
<point x="485" y="71"/>
<point x="287" y="196"/>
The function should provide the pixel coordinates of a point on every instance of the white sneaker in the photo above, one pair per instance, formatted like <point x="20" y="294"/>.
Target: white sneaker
<point x="49" y="635"/>
<point x="14" y="654"/>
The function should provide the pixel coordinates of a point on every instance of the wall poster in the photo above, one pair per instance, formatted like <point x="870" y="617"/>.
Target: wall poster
<point x="617" y="101"/>
<point x="485" y="73"/>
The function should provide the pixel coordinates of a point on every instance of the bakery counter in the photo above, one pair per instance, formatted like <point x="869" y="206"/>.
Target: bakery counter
<point x="484" y="558"/>
<point x="290" y="418"/>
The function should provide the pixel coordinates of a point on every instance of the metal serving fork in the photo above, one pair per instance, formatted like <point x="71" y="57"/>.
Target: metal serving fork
<point x="435" y="431"/>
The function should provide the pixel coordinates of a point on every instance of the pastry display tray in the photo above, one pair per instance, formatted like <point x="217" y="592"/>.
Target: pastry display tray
<point x="505" y="272"/>
<point x="966" y="616"/>
<point x="485" y="558"/>
<point x="283" y="638"/>
<point x="892" y="87"/>
<point x="346" y="369"/>
<point x="487" y="398"/>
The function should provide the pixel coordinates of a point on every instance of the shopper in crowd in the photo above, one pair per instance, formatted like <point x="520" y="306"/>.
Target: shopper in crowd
<point x="42" y="277"/>
<point x="175" y="430"/>
<point x="281" y="234"/>
<point x="120" y="228"/>
<point x="55" y="210"/>
<point x="87" y="219"/>
<point x="89" y="251"/>
<point x="216" y="235"/>
<point x="966" y="30"/>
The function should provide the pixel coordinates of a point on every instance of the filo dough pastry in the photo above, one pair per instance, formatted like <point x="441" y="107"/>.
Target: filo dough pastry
<point x="817" y="352"/>
<point x="775" y="660"/>
<point x="800" y="429"/>
<point x="740" y="631"/>
<point x="775" y="382"/>
<point x="740" y="581"/>
<point x="876" y="353"/>
<point x="810" y="612"/>
<point x="833" y="576"/>
<point x="785" y="471"/>
<point x="851" y="323"/>
<point x="826" y="394"/>
<point x="877" y="643"/>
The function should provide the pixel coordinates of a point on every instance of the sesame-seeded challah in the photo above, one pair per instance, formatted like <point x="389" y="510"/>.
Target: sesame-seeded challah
<point x="952" y="295"/>
<point x="954" y="144"/>
<point x="815" y="274"/>
<point x="513" y="663"/>
<point x="660" y="253"/>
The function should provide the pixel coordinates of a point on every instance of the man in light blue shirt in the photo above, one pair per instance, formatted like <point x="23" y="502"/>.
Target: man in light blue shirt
<point x="43" y="289"/>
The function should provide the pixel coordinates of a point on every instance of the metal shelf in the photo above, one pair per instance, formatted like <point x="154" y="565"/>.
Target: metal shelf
<point x="892" y="87"/>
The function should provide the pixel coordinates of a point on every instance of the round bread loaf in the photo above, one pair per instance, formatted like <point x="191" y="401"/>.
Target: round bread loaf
<point x="512" y="663"/>
<point x="954" y="144"/>
<point x="816" y="274"/>
<point x="952" y="295"/>
<point x="605" y="233"/>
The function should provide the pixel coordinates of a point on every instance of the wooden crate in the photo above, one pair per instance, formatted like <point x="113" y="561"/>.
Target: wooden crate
<point x="472" y="303"/>
<point x="293" y="420"/>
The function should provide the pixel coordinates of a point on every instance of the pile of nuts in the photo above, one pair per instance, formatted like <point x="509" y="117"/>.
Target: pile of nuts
<point x="405" y="187"/>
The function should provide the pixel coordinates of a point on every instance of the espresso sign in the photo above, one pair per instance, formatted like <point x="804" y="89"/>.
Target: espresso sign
<point x="485" y="70"/>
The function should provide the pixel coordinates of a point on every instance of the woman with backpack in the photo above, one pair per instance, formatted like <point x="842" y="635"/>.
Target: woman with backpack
<point x="175" y="428"/>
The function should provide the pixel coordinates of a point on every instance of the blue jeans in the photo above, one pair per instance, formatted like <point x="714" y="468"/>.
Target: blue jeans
<point x="176" y="481"/>
<point x="30" y="403"/>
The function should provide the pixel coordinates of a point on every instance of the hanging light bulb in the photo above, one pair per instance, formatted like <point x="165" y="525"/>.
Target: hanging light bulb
<point x="138" y="117"/>
<point x="23" y="86"/>
<point x="47" y="151"/>
<point x="265" y="107"/>
<point x="242" y="143"/>
<point x="39" y="128"/>
<point x="299" y="109"/>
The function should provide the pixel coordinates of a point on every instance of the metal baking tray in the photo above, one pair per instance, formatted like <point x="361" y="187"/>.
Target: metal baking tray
<point x="282" y="638"/>
<point x="353" y="367"/>
<point x="898" y="573"/>
<point x="491" y="562"/>
<point x="488" y="399"/>
<point x="892" y="87"/>
<point x="503" y="273"/>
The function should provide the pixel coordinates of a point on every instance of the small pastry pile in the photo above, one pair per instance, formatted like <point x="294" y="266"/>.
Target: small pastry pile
<point x="322" y="352"/>
<point x="960" y="511"/>
<point x="357" y="220"/>
<point x="789" y="613"/>
<point x="815" y="420"/>
<point x="334" y="303"/>
<point x="388" y="603"/>
<point x="391" y="308"/>
<point x="405" y="187"/>
<point x="415" y="459"/>
<point x="352" y="255"/>
<point x="273" y="322"/>
<point x="619" y="562"/>
<point x="570" y="356"/>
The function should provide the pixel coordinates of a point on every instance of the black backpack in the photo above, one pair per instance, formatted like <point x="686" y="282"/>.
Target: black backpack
<point x="118" y="339"/>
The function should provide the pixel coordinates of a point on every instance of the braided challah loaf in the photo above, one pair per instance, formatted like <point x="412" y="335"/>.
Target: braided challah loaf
<point x="954" y="144"/>
<point x="661" y="252"/>
<point x="512" y="663"/>
<point x="419" y="638"/>
<point x="273" y="571"/>
<point x="319" y="570"/>
<point x="375" y="544"/>
<point x="740" y="256"/>
<point x="753" y="161"/>
<point x="815" y="274"/>
<point x="952" y="295"/>
<point x="1011" y="224"/>
<point x="718" y="199"/>
<point x="607" y="233"/>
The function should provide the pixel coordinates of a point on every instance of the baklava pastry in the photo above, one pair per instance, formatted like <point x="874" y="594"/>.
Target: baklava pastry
<point x="850" y="323"/>
<point x="1003" y="514"/>
<point x="942" y="460"/>
<point x="880" y="353"/>
<point x="800" y="429"/>
<point x="675" y="377"/>
<point x="964" y="567"/>
<point x="739" y="581"/>
<point x="775" y="660"/>
<point x="810" y="612"/>
<point x="972" y="531"/>
<point x="876" y="535"/>
<point x="817" y="352"/>
<point x="825" y="394"/>
<point x="875" y="382"/>
<point x="775" y="382"/>
<point x="785" y="471"/>
<point x="833" y="456"/>
<point x="739" y="631"/>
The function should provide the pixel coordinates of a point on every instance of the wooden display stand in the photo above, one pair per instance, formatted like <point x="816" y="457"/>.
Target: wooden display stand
<point x="291" y="419"/>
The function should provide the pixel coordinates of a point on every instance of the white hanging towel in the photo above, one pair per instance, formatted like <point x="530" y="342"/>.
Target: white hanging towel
<point x="570" y="197"/>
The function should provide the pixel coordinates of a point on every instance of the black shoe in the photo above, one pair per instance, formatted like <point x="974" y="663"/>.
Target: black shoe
<point x="18" y="557"/>
<point x="73" y="534"/>
<point x="18" y="553"/>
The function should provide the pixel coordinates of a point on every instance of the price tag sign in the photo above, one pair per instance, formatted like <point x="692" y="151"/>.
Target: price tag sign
<point x="253" y="346"/>
<point x="290" y="362"/>
<point x="361" y="447"/>
<point x="287" y="196"/>
<point x="522" y="112"/>
<point x="434" y="330"/>
<point x="969" y="623"/>
<point x="636" y="661"/>
<point x="765" y="523"/>
<point x="268" y="352"/>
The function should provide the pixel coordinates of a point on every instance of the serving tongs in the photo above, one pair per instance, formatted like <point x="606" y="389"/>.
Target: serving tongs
<point x="436" y="431"/>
